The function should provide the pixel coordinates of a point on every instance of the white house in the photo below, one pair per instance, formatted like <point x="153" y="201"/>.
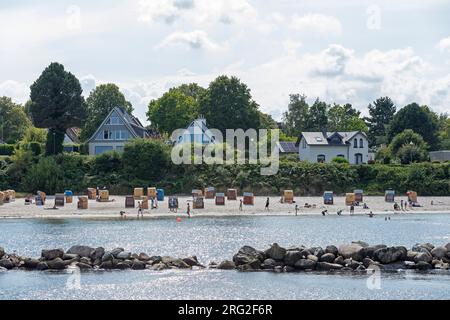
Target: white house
<point x="196" y="132"/>
<point x="325" y="146"/>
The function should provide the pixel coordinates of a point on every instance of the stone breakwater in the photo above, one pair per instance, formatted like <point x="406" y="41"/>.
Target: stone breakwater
<point x="354" y="257"/>
<point x="88" y="258"/>
<point x="357" y="256"/>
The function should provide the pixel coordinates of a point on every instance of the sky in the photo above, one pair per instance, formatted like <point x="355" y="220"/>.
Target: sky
<point x="347" y="51"/>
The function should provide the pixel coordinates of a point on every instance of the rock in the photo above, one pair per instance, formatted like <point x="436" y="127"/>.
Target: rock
<point x="325" y="266"/>
<point x="83" y="266"/>
<point x="288" y="269"/>
<point x="269" y="264"/>
<point x="123" y="266"/>
<point x="360" y="268"/>
<point x="423" y="266"/>
<point x="423" y="257"/>
<point x="423" y="248"/>
<point x="328" y="257"/>
<point x="447" y="246"/>
<point x="30" y="263"/>
<point x="361" y="243"/>
<point x="108" y="256"/>
<point x="116" y="252"/>
<point x="247" y="254"/>
<point x="292" y="257"/>
<point x="278" y="269"/>
<point x="410" y="255"/>
<point x="305" y="253"/>
<point x="159" y="266"/>
<point x="144" y="257"/>
<point x="56" y="264"/>
<point x="124" y="255"/>
<point x="3" y="269"/>
<point x="313" y="258"/>
<point x="213" y="265"/>
<point x="156" y="259"/>
<point x="350" y="263"/>
<point x="191" y="261"/>
<point x="305" y="264"/>
<point x="97" y="254"/>
<point x="390" y="255"/>
<point x="42" y="266"/>
<point x="409" y="264"/>
<point x="82" y="251"/>
<point x="70" y="256"/>
<point x="317" y="251"/>
<point x="351" y="251"/>
<point x="368" y="252"/>
<point x="2" y="252"/>
<point x="108" y="265"/>
<point x="7" y="264"/>
<point x="439" y="252"/>
<point x="367" y="262"/>
<point x="86" y="260"/>
<point x="332" y="249"/>
<point x="339" y="260"/>
<point x="442" y="266"/>
<point x="226" y="265"/>
<point x="276" y="252"/>
<point x="52" y="254"/>
<point x="180" y="264"/>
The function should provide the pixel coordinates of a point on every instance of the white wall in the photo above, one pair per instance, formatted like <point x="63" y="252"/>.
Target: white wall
<point x="92" y="146"/>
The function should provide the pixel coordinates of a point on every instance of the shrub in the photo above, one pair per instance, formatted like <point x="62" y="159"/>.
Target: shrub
<point x="46" y="175"/>
<point x="6" y="149"/>
<point x="340" y="160"/>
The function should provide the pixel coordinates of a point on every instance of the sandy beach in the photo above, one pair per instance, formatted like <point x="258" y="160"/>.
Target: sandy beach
<point x="108" y="210"/>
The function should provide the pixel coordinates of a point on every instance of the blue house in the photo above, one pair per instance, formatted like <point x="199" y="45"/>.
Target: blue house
<point x="116" y="130"/>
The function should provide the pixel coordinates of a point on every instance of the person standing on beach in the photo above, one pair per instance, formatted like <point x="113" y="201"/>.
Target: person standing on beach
<point x="352" y="210"/>
<point x="189" y="210"/>
<point x="240" y="205"/>
<point x="140" y="211"/>
<point x="267" y="204"/>
<point x="296" y="210"/>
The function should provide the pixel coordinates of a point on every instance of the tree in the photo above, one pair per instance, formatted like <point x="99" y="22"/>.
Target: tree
<point x="228" y="104"/>
<point x="146" y="160"/>
<point x="444" y="132"/>
<point x="266" y="121"/>
<point x="409" y="147"/>
<point x="99" y="104"/>
<point x="294" y="120"/>
<point x="345" y="118"/>
<point x="191" y="90"/>
<point x="13" y="121"/>
<point x="174" y="110"/>
<point x="318" y="118"/>
<point x="418" y="118"/>
<point x="381" y="113"/>
<point x="56" y="104"/>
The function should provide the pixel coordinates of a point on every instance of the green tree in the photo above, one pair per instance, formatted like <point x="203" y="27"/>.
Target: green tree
<point x="295" y="118"/>
<point x="145" y="160"/>
<point x="46" y="175"/>
<point x="99" y="104"/>
<point x="409" y="146"/>
<point x="345" y="118"/>
<point x="381" y="113"/>
<point x="318" y="116"/>
<point x="191" y="90"/>
<point x="418" y="118"/>
<point x="13" y="121"/>
<point x="174" y="110"/>
<point x="56" y="104"/>
<point x="444" y="132"/>
<point x="228" y="104"/>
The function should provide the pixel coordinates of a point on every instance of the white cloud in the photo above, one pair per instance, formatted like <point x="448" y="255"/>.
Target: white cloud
<point x="444" y="44"/>
<point x="332" y="61"/>
<point x="19" y="92"/>
<point x="197" y="39"/>
<point x="317" y="24"/>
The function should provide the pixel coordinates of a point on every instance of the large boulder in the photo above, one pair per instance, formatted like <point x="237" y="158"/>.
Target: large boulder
<point x="97" y="254"/>
<point x="426" y="247"/>
<point x="339" y="260"/>
<point x="52" y="254"/>
<point x="83" y="266"/>
<point x="292" y="257"/>
<point x="361" y="243"/>
<point x="124" y="255"/>
<point x="82" y="251"/>
<point x="42" y="266"/>
<point x="325" y="266"/>
<point x="353" y="251"/>
<point x="144" y="257"/>
<point x="115" y="252"/>
<point x="108" y="256"/>
<point x="439" y="252"/>
<point x="312" y="258"/>
<point x="332" y="249"/>
<point x="269" y="264"/>
<point x="423" y="257"/>
<point x="6" y="263"/>
<point x="390" y="255"/>
<point x="180" y="264"/>
<point x="305" y="264"/>
<point x="138" y="265"/>
<point x="368" y="252"/>
<point x="226" y="265"/>
<point x="276" y="252"/>
<point x="410" y="255"/>
<point x="247" y="254"/>
<point x="316" y="251"/>
<point x="191" y="261"/>
<point x="447" y="246"/>
<point x="56" y="264"/>
<point x="70" y="256"/>
<point x="30" y="263"/>
<point x="108" y="265"/>
<point x="328" y="257"/>
<point x="423" y="266"/>
<point x="2" y="252"/>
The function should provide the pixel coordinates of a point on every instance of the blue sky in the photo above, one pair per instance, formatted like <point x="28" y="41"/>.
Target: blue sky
<point x="341" y="51"/>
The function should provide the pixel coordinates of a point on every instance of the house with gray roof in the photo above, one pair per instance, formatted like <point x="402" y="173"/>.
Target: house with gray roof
<point x="323" y="147"/>
<point x="116" y="130"/>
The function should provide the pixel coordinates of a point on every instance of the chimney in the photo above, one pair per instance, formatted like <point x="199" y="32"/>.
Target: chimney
<point x="325" y="132"/>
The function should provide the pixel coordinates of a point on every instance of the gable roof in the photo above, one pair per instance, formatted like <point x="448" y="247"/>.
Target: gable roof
<point x="201" y="124"/>
<point x="73" y="134"/>
<point x="322" y="139"/>
<point x="287" y="147"/>
<point x="132" y="123"/>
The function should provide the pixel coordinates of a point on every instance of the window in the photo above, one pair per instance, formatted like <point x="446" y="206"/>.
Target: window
<point x="321" y="158"/>
<point x="361" y="143"/>
<point x="102" y="149"/>
<point x="114" y="120"/>
<point x="355" y="143"/>
<point x="121" y="135"/>
<point x="107" y="135"/>
<point x="340" y="156"/>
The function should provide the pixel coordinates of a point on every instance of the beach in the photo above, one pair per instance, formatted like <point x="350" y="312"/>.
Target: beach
<point x="111" y="210"/>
